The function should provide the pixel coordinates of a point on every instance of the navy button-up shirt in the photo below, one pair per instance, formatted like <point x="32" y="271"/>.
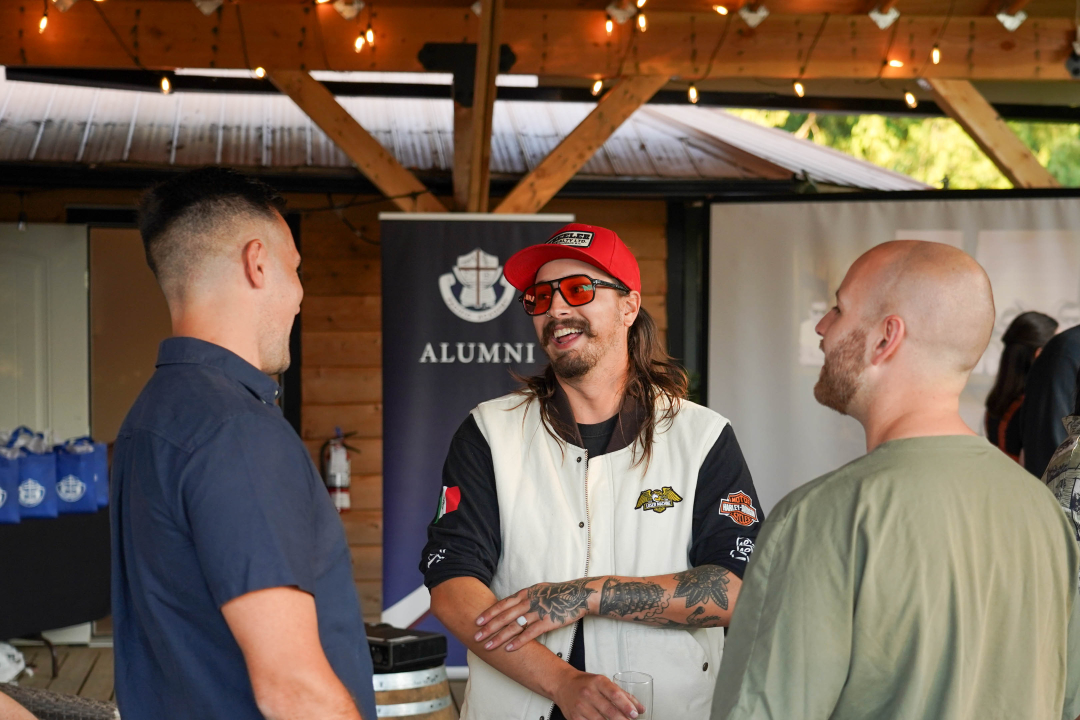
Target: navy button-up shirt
<point x="214" y="496"/>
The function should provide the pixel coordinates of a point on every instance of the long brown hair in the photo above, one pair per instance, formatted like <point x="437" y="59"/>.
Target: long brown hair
<point x="1026" y="335"/>
<point x="655" y="379"/>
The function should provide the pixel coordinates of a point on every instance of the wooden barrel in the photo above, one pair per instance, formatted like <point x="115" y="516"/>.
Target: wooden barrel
<point x="417" y="694"/>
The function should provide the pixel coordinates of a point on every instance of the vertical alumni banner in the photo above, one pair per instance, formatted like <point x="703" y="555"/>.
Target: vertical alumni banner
<point x="452" y="331"/>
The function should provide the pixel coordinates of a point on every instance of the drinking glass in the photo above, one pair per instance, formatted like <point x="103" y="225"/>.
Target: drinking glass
<point x="639" y="685"/>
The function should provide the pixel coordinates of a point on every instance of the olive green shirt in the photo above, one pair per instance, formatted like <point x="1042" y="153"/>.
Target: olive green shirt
<point x="933" y="578"/>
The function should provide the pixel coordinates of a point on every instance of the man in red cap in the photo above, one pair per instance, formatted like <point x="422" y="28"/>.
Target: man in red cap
<point x="595" y="521"/>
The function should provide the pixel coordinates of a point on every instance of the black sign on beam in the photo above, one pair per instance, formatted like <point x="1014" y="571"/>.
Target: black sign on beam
<point x="460" y="59"/>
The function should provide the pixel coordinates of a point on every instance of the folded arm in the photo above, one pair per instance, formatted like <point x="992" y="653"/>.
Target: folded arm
<point x="696" y="598"/>
<point x="457" y="602"/>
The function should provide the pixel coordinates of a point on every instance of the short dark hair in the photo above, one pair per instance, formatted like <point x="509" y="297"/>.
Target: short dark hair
<point x="179" y="218"/>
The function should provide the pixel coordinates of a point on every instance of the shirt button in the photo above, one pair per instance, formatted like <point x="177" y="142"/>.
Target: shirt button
<point x="579" y="459"/>
<point x="581" y="524"/>
<point x="705" y="667"/>
<point x="558" y="654"/>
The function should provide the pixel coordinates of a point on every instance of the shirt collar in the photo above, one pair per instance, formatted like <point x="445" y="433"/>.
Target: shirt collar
<point x="187" y="350"/>
<point x="631" y="417"/>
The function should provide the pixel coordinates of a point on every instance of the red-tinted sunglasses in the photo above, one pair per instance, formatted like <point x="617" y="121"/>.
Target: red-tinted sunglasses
<point x="576" y="290"/>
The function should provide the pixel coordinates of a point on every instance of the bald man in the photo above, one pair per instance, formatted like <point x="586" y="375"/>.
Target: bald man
<point x="931" y="578"/>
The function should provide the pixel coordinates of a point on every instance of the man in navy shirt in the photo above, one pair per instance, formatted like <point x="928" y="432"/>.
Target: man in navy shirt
<point x="232" y="581"/>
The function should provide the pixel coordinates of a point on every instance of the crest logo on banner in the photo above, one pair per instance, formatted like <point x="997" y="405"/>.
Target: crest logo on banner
<point x="482" y="293"/>
<point x="3" y="497"/>
<point x="71" y="489"/>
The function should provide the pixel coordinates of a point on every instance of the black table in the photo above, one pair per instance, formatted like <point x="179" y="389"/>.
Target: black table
<point x="53" y="573"/>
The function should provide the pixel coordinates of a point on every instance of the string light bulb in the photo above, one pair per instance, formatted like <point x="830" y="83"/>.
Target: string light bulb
<point x="641" y="3"/>
<point x="166" y="86"/>
<point x="609" y="24"/>
<point x="798" y="88"/>
<point x="359" y="44"/>
<point x="692" y="94"/>
<point x="642" y="23"/>
<point x="909" y="98"/>
<point x="896" y="63"/>
<point x="720" y="9"/>
<point x="597" y="87"/>
<point x="935" y="54"/>
<point x="321" y="2"/>
<point x="369" y="35"/>
<point x="44" y="22"/>
<point x="260" y="72"/>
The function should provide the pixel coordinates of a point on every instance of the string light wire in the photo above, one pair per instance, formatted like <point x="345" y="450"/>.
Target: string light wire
<point x="797" y="85"/>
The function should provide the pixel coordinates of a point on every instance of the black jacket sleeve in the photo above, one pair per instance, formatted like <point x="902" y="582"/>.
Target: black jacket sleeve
<point x="1048" y="397"/>
<point x="466" y="541"/>
<point x="727" y="513"/>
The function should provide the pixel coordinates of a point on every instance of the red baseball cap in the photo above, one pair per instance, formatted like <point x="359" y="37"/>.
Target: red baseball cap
<point x="597" y="246"/>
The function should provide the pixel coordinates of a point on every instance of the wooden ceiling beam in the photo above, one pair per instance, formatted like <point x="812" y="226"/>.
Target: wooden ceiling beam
<point x="166" y="35"/>
<point x="487" y="68"/>
<point x="965" y="105"/>
<point x="554" y="171"/>
<point x="373" y="160"/>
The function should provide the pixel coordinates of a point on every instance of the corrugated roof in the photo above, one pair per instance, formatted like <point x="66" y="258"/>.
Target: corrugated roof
<point x="53" y="123"/>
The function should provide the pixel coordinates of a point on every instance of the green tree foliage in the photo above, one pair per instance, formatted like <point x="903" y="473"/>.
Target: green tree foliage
<point x="934" y="150"/>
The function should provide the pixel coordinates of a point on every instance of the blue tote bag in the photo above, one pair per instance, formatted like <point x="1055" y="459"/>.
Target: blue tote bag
<point x="76" y="491"/>
<point x="9" y="488"/>
<point x="37" y="485"/>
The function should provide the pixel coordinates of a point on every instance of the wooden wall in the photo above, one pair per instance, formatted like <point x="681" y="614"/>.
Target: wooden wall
<point x="342" y="339"/>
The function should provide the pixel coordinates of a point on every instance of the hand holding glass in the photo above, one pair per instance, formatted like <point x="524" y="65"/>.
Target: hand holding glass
<point x="639" y="685"/>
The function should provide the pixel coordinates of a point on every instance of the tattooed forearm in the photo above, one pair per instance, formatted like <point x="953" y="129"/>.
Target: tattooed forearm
<point x="702" y="584"/>
<point x="696" y="619"/>
<point x="560" y="601"/>
<point x="642" y="600"/>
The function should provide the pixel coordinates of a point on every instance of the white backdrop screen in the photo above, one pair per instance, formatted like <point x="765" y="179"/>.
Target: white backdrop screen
<point x="774" y="269"/>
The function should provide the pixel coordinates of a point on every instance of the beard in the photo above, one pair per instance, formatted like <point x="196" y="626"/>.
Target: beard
<point x="840" y="377"/>
<point x="574" y="363"/>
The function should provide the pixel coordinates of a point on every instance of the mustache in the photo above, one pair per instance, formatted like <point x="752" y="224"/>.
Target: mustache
<point x="575" y="323"/>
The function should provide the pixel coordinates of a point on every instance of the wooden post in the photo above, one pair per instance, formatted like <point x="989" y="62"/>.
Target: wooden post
<point x="487" y="68"/>
<point x="539" y="186"/>
<point x="963" y="103"/>
<point x="463" y="125"/>
<point x="371" y="158"/>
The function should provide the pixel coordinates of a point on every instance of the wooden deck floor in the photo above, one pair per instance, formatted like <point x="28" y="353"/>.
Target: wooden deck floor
<point x="88" y="672"/>
<point x="83" y="671"/>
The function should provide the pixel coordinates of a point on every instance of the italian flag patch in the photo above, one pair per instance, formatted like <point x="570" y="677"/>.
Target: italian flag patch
<point x="448" y="501"/>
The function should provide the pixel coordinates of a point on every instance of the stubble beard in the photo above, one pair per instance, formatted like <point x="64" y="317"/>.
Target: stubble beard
<point x="577" y="362"/>
<point x="841" y="374"/>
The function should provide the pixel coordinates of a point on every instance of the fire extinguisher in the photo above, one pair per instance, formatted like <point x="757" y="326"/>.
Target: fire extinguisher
<point x="337" y="468"/>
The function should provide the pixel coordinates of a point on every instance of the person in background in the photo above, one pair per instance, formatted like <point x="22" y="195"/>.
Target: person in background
<point x="931" y="578"/>
<point x="595" y="521"/>
<point x="1062" y="475"/>
<point x="1023" y="342"/>
<point x="1048" y="397"/>
<point x="232" y="585"/>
